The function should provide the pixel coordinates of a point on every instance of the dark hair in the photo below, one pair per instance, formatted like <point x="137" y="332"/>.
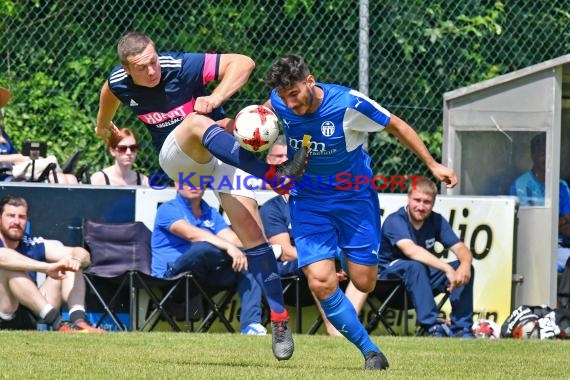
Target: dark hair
<point x="132" y="43"/>
<point x="12" y="200"/>
<point x="538" y="142"/>
<point x="286" y="72"/>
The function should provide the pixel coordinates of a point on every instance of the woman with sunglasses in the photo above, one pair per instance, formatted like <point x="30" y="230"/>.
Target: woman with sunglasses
<point x="124" y="149"/>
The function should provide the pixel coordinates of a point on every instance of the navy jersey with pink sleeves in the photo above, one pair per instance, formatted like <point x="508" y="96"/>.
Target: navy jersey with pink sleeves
<point x="338" y="130"/>
<point x="183" y="79"/>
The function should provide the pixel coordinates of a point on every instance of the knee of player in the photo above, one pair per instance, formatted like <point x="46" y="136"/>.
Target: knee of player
<point x="196" y="124"/>
<point x="322" y="289"/>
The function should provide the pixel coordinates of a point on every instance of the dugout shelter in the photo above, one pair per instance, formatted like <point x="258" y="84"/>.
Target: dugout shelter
<point x="488" y="127"/>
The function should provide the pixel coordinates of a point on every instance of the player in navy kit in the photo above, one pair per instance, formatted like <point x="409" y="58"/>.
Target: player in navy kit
<point x="167" y="92"/>
<point x="333" y="205"/>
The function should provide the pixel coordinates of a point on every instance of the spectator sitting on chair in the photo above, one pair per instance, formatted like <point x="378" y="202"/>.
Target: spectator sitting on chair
<point x="9" y="154"/>
<point x="21" y="256"/>
<point x="529" y="187"/>
<point x="407" y="252"/>
<point x="190" y="235"/>
<point x="123" y="147"/>
<point x="277" y="224"/>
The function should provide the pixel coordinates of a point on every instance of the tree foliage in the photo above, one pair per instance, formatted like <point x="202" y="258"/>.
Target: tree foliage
<point x="55" y="55"/>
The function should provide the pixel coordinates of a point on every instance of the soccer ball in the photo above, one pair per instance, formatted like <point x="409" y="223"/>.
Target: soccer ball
<point x="485" y="328"/>
<point x="528" y="330"/>
<point x="256" y="128"/>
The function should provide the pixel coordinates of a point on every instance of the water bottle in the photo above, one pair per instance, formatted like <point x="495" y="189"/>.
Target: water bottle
<point x="42" y="326"/>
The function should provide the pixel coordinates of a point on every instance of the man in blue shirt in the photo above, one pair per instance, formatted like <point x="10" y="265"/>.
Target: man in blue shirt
<point x="190" y="235"/>
<point x="529" y="187"/>
<point x="21" y="256"/>
<point x="334" y="204"/>
<point x="167" y="91"/>
<point x="407" y="252"/>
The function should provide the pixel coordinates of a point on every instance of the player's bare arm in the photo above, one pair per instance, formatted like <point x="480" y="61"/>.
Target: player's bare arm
<point x="108" y="106"/>
<point x="412" y="141"/>
<point x="234" y="71"/>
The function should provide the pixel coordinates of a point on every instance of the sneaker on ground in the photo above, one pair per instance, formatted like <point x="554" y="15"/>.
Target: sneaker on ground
<point x="439" y="331"/>
<point x="282" y="340"/>
<point x="376" y="361"/>
<point x="254" y="329"/>
<point x="84" y="325"/>
<point x="79" y="326"/>
<point x="70" y="328"/>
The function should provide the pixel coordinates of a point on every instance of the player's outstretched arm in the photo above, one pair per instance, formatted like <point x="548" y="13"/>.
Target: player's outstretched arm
<point x="108" y="106"/>
<point x="412" y="141"/>
<point x="234" y="71"/>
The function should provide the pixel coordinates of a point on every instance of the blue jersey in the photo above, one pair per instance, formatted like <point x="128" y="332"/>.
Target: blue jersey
<point x="530" y="191"/>
<point x="338" y="130"/>
<point x="167" y="247"/>
<point x="7" y="147"/>
<point x="32" y="247"/>
<point x="163" y="107"/>
<point x="398" y="227"/>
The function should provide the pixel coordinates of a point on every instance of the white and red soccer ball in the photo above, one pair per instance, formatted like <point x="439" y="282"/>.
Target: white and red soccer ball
<point x="256" y="128"/>
<point x="485" y="328"/>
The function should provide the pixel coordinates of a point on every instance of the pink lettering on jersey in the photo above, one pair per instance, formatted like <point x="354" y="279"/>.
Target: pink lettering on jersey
<point x="160" y="117"/>
<point x="210" y="68"/>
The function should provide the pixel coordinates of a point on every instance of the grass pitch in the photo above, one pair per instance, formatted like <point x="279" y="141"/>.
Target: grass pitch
<point x="49" y="355"/>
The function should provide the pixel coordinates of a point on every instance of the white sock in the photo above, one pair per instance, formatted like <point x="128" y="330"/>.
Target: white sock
<point x="7" y="316"/>
<point x="45" y="310"/>
<point x="76" y="307"/>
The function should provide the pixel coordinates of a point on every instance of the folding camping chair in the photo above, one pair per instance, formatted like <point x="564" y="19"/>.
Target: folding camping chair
<point x="121" y="254"/>
<point x="392" y="294"/>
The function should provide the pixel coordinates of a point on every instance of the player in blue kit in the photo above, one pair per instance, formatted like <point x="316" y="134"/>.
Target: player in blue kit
<point x="333" y="205"/>
<point x="167" y="92"/>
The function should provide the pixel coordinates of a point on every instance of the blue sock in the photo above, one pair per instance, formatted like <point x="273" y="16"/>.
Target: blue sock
<point x="225" y="147"/>
<point x="263" y="265"/>
<point x="342" y="315"/>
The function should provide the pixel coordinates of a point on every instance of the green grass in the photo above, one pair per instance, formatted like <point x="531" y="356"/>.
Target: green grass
<point x="44" y="355"/>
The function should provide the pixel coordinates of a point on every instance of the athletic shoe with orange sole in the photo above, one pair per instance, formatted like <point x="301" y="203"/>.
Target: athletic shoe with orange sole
<point x="79" y="327"/>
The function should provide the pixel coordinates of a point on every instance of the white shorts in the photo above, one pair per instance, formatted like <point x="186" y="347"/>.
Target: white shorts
<point x="220" y="176"/>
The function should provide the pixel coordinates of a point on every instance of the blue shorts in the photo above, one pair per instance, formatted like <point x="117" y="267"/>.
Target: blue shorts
<point x="322" y="226"/>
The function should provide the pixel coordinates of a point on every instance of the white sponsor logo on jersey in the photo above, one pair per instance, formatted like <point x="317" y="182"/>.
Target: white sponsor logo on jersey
<point x="327" y="128"/>
<point x="133" y="103"/>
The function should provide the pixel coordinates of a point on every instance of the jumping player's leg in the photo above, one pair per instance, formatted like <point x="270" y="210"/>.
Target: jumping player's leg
<point x="243" y="214"/>
<point x="200" y="137"/>
<point x="242" y="209"/>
